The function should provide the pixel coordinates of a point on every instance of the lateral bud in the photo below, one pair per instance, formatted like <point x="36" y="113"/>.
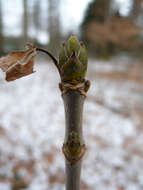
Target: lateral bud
<point x="73" y="149"/>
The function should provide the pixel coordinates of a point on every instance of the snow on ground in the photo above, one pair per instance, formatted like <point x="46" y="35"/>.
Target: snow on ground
<point x="32" y="130"/>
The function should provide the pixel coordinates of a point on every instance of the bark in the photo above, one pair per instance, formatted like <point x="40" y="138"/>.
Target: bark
<point x="25" y="21"/>
<point x="37" y="18"/>
<point x="1" y="29"/>
<point x="73" y="104"/>
<point x="73" y="173"/>
<point x="54" y="25"/>
<point x="136" y="9"/>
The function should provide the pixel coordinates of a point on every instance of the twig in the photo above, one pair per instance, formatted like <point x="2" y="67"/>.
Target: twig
<point x="51" y="56"/>
<point x="73" y="103"/>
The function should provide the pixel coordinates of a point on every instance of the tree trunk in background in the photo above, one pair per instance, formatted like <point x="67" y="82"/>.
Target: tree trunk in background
<point x="54" y="24"/>
<point x="108" y="8"/>
<point x="136" y="9"/>
<point x="25" y="21"/>
<point x="36" y="18"/>
<point x="97" y="10"/>
<point x="1" y="30"/>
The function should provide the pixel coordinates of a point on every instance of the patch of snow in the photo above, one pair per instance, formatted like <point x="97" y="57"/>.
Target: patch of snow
<point x="32" y="116"/>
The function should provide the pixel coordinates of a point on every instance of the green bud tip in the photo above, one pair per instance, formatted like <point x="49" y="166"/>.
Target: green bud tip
<point x="73" y="60"/>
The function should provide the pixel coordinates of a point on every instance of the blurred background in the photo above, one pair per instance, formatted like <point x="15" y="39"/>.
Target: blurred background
<point x="31" y="108"/>
<point x="116" y="23"/>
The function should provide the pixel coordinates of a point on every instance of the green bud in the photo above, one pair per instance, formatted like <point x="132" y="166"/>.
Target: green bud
<point x="73" y="69"/>
<point x="72" y="45"/>
<point x="83" y="56"/>
<point x="62" y="55"/>
<point x="73" y="60"/>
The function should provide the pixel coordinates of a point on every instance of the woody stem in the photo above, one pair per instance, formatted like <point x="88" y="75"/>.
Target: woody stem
<point x="73" y="104"/>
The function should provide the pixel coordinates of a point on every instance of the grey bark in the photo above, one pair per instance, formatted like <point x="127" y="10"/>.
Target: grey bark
<point x="136" y="9"/>
<point x="25" y="21"/>
<point x="54" y="24"/>
<point x="73" y="173"/>
<point x="36" y="17"/>
<point x="1" y="29"/>
<point x="73" y="104"/>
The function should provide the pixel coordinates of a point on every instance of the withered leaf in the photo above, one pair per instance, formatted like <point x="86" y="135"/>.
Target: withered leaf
<point x="18" y="63"/>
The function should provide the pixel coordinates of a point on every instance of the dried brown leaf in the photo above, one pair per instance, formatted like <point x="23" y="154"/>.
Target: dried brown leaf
<point x="18" y="63"/>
